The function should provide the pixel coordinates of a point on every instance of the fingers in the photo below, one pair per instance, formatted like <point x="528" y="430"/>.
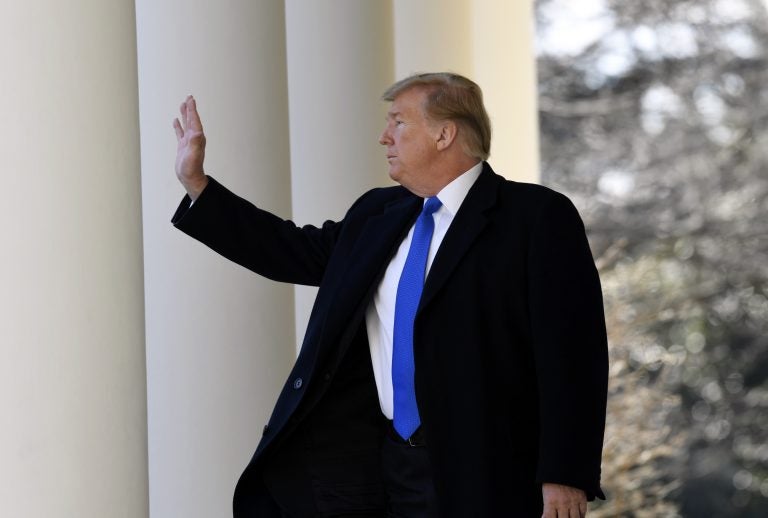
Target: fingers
<point x="568" y="512"/>
<point x="177" y="128"/>
<point x="193" y="118"/>
<point x="183" y="111"/>
<point x="189" y="119"/>
<point x="563" y="501"/>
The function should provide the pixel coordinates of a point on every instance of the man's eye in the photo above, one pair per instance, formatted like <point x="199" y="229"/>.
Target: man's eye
<point x="398" y="123"/>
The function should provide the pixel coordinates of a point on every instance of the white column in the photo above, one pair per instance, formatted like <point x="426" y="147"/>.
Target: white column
<point x="491" y="42"/>
<point x="72" y="373"/>
<point x="340" y="60"/>
<point x="220" y="340"/>
<point x="433" y="36"/>
<point x="505" y="67"/>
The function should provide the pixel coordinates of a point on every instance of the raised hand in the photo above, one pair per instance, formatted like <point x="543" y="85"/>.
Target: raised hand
<point x="190" y="151"/>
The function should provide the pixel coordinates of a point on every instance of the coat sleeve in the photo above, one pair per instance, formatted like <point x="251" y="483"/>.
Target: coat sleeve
<point x="255" y="238"/>
<point x="570" y="348"/>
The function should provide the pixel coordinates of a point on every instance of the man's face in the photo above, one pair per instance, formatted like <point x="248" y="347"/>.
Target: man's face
<point x="410" y="139"/>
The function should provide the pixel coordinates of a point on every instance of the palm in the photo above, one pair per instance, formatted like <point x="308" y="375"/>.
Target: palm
<point x="190" y="149"/>
<point x="190" y="153"/>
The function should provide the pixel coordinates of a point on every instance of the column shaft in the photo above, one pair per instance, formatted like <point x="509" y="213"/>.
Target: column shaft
<point x="72" y="375"/>
<point x="490" y="41"/>
<point x="220" y="339"/>
<point x="433" y="36"/>
<point x="505" y="66"/>
<point x="340" y="60"/>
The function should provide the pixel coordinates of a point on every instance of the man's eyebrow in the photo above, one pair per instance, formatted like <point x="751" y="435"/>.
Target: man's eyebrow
<point x="390" y="115"/>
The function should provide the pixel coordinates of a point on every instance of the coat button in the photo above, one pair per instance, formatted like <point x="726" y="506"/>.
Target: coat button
<point x="297" y="383"/>
<point x="327" y="376"/>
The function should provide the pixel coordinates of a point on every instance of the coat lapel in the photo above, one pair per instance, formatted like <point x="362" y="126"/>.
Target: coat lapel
<point x="382" y="233"/>
<point x="465" y="227"/>
<point x="371" y="253"/>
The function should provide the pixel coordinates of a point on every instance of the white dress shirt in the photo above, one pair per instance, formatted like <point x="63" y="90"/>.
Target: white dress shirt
<point x="380" y="314"/>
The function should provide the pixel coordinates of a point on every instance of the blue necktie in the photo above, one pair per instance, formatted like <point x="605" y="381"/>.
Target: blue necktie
<point x="406" y="419"/>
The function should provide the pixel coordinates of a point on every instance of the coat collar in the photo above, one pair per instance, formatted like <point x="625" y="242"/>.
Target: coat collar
<point x="465" y="227"/>
<point x="382" y="234"/>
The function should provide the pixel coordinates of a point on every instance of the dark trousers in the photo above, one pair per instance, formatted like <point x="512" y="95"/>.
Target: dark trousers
<point x="408" y="485"/>
<point x="407" y="478"/>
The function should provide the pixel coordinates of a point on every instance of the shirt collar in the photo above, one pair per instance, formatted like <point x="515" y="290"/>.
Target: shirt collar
<point x="453" y="194"/>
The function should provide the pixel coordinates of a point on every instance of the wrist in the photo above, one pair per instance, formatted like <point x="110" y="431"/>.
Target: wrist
<point x="195" y="186"/>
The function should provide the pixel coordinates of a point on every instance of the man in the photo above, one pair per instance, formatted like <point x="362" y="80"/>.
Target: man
<point x="455" y="361"/>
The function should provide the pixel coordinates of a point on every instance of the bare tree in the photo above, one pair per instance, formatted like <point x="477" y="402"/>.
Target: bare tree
<point x="653" y="119"/>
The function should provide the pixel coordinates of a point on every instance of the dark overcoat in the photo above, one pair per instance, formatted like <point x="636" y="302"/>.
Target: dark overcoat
<point x="509" y="347"/>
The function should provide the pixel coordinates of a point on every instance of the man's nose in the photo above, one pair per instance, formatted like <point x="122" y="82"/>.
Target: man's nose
<point x="384" y="138"/>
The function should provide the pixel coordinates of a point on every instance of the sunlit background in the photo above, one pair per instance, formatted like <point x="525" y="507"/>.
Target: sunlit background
<point x="653" y="120"/>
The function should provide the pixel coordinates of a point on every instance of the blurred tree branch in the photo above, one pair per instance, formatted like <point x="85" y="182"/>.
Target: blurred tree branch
<point x="656" y="128"/>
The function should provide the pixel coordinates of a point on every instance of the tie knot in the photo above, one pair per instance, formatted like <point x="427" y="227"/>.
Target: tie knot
<point x="432" y="204"/>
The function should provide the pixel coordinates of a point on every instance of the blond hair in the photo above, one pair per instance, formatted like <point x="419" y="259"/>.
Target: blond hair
<point x="456" y="98"/>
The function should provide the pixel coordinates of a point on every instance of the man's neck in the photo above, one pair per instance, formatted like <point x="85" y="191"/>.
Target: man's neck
<point x="447" y="173"/>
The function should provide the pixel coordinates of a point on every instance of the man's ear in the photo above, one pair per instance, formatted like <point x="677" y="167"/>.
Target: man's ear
<point x="447" y="134"/>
